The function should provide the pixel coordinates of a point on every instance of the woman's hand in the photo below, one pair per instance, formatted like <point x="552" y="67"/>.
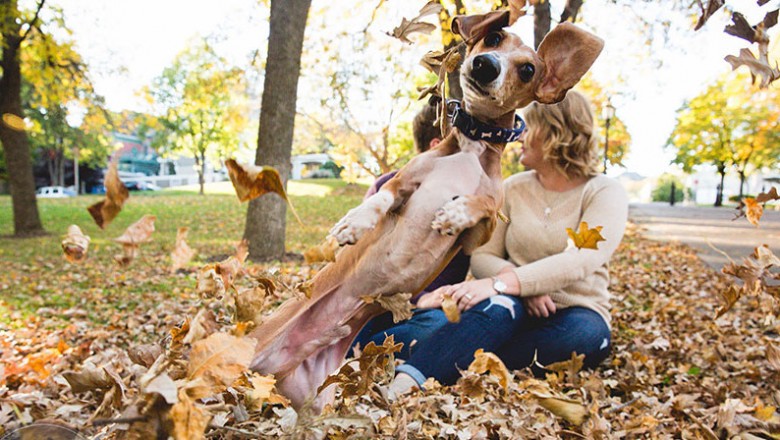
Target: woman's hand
<point x="469" y="293"/>
<point x="431" y="300"/>
<point x="541" y="306"/>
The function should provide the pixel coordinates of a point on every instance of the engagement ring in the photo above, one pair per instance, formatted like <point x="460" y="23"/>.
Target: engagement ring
<point x="467" y="296"/>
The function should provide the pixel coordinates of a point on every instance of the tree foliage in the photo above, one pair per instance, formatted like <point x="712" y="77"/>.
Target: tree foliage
<point x="200" y="107"/>
<point x="729" y="125"/>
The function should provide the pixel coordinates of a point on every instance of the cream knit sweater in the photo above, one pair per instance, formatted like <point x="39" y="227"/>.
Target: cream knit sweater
<point x="536" y="243"/>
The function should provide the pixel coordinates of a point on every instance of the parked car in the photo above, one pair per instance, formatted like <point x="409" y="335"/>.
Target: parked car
<point x="54" y="192"/>
<point x="141" y="186"/>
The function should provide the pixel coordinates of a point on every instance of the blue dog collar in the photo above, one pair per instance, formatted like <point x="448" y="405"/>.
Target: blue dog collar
<point x="478" y="131"/>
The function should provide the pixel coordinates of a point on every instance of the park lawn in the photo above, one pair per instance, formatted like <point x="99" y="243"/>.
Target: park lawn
<point x="37" y="276"/>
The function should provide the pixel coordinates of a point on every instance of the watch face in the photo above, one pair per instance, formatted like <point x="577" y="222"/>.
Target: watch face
<point x="499" y="285"/>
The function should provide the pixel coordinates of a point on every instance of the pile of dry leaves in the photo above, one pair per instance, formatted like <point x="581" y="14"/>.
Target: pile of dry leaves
<point x="676" y="371"/>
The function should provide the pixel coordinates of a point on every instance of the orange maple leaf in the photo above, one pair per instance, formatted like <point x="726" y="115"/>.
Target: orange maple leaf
<point x="586" y="237"/>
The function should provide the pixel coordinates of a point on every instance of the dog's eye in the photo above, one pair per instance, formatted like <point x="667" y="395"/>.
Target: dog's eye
<point x="527" y="72"/>
<point x="493" y="39"/>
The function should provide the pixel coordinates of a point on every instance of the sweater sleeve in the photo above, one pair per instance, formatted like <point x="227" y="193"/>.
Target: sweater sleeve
<point x="607" y="207"/>
<point x="488" y="259"/>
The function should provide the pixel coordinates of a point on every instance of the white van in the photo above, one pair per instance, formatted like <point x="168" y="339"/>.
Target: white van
<point x="54" y="192"/>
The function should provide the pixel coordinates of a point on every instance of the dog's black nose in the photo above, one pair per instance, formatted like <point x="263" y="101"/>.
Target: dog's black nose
<point x="485" y="68"/>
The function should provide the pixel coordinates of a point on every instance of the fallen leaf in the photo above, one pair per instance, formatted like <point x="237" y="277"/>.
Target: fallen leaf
<point x="106" y="210"/>
<point x="251" y="301"/>
<point x="251" y="182"/>
<point x="374" y="362"/>
<point x="165" y="387"/>
<point x="773" y="356"/>
<point x="215" y="279"/>
<point x="144" y="354"/>
<point x="450" y="308"/>
<point x="189" y="420"/>
<point x="216" y="362"/>
<point x="182" y="252"/>
<point x="262" y="391"/>
<point x="90" y="378"/>
<point x="570" y="410"/>
<point x="586" y="238"/>
<point x="485" y="362"/>
<point x="75" y="245"/>
<point x="571" y="367"/>
<point x="203" y="325"/>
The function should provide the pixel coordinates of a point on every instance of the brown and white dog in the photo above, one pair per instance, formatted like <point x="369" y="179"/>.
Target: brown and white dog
<point x="441" y="201"/>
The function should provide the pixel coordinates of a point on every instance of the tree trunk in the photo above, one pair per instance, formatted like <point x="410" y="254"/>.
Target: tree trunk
<point x="200" y="161"/>
<point x="542" y="21"/>
<point x="266" y="217"/>
<point x="719" y="194"/>
<point x="741" y="183"/>
<point x="15" y="143"/>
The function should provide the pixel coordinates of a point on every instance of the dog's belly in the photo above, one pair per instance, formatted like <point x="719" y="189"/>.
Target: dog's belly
<point x="408" y="247"/>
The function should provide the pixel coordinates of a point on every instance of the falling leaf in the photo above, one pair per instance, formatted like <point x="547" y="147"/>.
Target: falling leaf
<point x="106" y="210"/>
<point x="216" y="362"/>
<point x="75" y="245"/>
<point x="730" y="296"/>
<point x="517" y="9"/>
<point x="135" y="234"/>
<point x="251" y="182"/>
<point x="250" y="302"/>
<point x="182" y="252"/>
<point x="585" y="237"/>
<point x="323" y="252"/>
<point x="189" y="420"/>
<point x="706" y="13"/>
<point x="450" y="308"/>
<point x="215" y="279"/>
<point x="408" y="27"/>
<point x="768" y="196"/>
<point x="485" y="362"/>
<point x="14" y="122"/>
<point x="757" y="68"/>
<point x="398" y="304"/>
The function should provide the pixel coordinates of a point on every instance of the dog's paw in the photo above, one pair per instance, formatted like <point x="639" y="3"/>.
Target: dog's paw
<point x="350" y="228"/>
<point x="454" y="217"/>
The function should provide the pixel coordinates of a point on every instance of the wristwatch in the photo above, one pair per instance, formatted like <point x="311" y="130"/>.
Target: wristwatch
<point x="499" y="286"/>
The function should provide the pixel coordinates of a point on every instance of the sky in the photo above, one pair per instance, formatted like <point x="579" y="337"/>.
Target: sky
<point x="128" y="43"/>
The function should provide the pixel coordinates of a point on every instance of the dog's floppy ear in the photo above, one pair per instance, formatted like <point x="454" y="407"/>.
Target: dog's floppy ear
<point x="472" y="28"/>
<point x="567" y="53"/>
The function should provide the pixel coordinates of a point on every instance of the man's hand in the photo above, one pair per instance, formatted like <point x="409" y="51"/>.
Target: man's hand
<point x="541" y="306"/>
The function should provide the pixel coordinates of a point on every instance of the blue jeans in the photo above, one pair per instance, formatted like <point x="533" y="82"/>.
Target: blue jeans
<point x="501" y="325"/>
<point x="413" y="331"/>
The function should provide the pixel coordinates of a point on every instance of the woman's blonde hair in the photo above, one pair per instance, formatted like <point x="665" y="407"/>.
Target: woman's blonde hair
<point x="568" y="134"/>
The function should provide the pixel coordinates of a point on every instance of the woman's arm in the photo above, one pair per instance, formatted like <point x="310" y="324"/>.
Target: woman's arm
<point x="490" y="258"/>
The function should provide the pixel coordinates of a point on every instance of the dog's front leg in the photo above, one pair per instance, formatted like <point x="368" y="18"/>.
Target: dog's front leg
<point x="463" y="212"/>
<point x="363" y="217"/>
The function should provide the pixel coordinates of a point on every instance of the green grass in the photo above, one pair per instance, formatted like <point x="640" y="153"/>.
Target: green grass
<point x="35" y="274"/>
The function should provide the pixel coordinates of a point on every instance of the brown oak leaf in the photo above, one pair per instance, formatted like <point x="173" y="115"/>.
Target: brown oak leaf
<point x="251" y="182"/>
<point x="216" y="362"/>
<point x="106" y="210"/>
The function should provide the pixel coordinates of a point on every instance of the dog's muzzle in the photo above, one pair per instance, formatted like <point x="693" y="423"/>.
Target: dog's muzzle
<point x="485" y="68"/>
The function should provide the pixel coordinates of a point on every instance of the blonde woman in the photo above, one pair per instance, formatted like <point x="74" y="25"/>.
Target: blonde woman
<point x="535" y="294"/>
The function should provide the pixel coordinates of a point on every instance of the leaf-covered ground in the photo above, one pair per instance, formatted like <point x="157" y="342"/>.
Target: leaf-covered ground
<point x="78" y="344"/>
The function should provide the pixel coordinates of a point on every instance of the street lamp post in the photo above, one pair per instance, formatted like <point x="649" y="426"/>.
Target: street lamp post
<point x="608" y="112"/>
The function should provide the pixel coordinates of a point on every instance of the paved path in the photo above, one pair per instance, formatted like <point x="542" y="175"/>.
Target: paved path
<point x="696" y="226"/>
